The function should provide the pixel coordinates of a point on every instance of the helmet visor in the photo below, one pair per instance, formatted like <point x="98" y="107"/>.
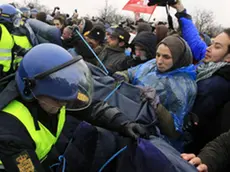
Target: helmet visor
<point x="72" y="84"/>
<point x="17" y="20"/>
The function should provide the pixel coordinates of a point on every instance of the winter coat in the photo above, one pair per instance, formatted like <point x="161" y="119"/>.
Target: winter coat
<point x="212" y="95"/>
<point x="114" y="59"/>
<point x="176" y="89"/>
<point x="213" y="91"/>
<point x="191" y="35"/>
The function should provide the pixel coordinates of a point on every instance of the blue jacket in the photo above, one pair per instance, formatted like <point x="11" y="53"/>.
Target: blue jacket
<point x="176" y="89"/>
<point x="191" y="36"/>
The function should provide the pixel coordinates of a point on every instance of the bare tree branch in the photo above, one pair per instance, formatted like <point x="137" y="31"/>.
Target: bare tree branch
<point x="205" y="23"/>
<point x="36" y="4"/>
<point x="110" y="14"/>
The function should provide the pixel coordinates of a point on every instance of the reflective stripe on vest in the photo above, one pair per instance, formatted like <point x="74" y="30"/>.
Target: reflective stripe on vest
<point x="5" y="50"/>
<point x="6" y="45"/>
<point x="43" y="138"/>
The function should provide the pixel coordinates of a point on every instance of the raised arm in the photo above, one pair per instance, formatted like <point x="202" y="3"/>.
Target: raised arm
<point x="190" y="32"/>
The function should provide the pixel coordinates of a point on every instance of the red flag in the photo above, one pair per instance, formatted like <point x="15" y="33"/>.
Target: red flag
<point x="139" y="6"/>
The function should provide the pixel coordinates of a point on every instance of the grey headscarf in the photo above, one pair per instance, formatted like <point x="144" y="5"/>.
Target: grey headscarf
<point x="181" y="52"/>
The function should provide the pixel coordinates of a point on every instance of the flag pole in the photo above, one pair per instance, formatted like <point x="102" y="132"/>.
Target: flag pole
<point x="152" y="13"/>
<point x="150" y="17"/>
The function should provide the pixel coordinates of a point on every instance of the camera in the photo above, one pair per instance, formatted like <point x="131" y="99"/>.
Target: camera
<point x="162" y="2"/>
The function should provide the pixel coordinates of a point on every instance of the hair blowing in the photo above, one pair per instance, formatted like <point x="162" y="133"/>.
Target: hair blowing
<point x="227" y="31"/>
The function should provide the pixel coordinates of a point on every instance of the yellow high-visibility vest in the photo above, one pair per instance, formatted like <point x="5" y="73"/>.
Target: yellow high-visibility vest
<point x="43" y="138"/>
<point x="6" y="45"/>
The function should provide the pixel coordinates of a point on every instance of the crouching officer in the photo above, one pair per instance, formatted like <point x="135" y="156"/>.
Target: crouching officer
<point x="49" y="84"/>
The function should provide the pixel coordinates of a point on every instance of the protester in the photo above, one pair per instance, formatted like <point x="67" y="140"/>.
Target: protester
<point x="75" y="45"/>
<point x="85" y="25"/>
<point x="143" y="48"/>
<point x="96" y="38"/>
<point x="113" y="56"/>
<point x="59" y="22"/>
<point x="212" y="78"/>
<point x="171" y="75"/>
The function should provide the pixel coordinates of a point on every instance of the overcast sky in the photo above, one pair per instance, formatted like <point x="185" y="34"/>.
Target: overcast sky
<point x="91" y="7"/>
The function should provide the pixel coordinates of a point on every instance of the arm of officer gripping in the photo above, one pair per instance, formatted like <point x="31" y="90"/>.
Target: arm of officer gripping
<point x="19" y="50"/>
<point x="106" y="116"/>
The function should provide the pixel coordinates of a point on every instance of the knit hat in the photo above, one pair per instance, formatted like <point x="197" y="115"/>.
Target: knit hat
<point x="121" y="34"/>
<point x="148" y="41"/>
<point x="181" y="52"/>
<point x="88" y="25"/>
<point x="97" y="33"/>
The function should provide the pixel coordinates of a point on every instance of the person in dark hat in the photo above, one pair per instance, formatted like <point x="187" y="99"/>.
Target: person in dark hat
<point x="96" y="38"/>
<point x="119" y="37"/>
<point x="85" y="25"/>
<point x="113" y="56"/>
<point x="143" y="48"/>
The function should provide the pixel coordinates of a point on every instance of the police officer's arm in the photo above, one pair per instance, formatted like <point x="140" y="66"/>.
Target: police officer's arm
<point x="19" y="50"/>
<point x="103" y="115"/>
<point x="17" y="158"/>
<point x="17" y="150"/>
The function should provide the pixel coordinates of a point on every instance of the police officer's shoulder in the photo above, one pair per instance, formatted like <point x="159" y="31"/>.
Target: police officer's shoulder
<point x="0" y="32"/>
<point x="12" y="129"/>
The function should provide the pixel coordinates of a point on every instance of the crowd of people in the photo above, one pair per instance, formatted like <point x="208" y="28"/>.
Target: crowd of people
<point x="47" y="90"/>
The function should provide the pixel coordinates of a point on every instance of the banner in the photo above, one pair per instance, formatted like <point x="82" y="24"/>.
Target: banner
<point x="139" y="6"/>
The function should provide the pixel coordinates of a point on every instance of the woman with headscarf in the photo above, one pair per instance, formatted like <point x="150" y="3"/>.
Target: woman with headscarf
<point x="172" y="75"/>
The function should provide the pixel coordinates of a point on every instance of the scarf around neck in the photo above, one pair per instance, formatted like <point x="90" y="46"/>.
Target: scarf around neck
<point x="206" y="70"/>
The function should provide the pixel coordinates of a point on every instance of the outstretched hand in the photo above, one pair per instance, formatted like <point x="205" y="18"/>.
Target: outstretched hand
<point x="178" y="6"/>
<point x="196" y="161"/>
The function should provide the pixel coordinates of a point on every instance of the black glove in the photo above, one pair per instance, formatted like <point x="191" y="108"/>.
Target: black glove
<point x="19" y="50"/>
<point x="135" y="131"/>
